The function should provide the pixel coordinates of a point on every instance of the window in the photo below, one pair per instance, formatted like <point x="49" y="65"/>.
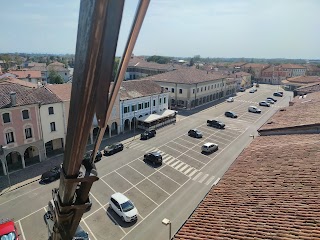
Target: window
<point x="65" y="74"/>
<point x="53" y="126"/>
<point x="145" y="105"/>
<point x="164" y="100"/>
<point x="167" y="88"/>
<point x="25" y="114"/>
<point x="172" y="90"/>
<point x="139" y="106"/>
<point x="159" y="100"/>
<point x="50" y="109"/>
<point x="133" y="108"/>
<point x="201" y="89"/>
<point x="28" y="133"/>
<point x="126" y="109"/>
<point x="9" y="137"/>
<point x="193" y="90"/>
<point x="211" y="86"/>
<point x="180" y="91"/>
<point x="215" y="86"/>
<point x="148" y="104"/>
<point x="154" y="103"/>
<point x="197" y="89"/>
<point x="205" y="88"/>
<point x="6" y="118"/>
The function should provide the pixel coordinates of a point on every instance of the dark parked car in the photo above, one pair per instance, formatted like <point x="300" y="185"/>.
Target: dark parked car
<point x="195" y="133"/>
<point x="51" y="175"/>
<point x="216" y="124"/>
<point x="275" y="100"/>
<point x="88" y="154"/>
<point x="153" y="157"/>
<point x="242" y="89"/>
<point x="278" y="94"/>
<point x="148" y="134"/>
<point x="230" y="114"/>
<point x="112" y="149"/>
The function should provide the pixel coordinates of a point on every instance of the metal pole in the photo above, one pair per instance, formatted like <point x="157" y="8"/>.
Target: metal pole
<point x="169" y="230"/>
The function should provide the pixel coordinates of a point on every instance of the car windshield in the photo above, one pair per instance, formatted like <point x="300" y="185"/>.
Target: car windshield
<point x="127" y="206"/>
<point x="9" y="236"/>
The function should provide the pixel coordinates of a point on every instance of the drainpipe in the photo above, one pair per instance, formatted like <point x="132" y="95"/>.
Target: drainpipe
<point x="195" y="95"/>
<point x="41" y="132"/>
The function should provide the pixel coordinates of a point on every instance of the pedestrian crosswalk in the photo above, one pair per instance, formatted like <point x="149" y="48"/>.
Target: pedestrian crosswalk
<point x="176" y="164"/>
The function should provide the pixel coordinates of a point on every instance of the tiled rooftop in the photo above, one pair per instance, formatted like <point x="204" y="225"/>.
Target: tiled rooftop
<point x="240" y="74"/>
<point x="304" y="79"/>
<point x="309" y="88"/>
<point x="141" y="63"/>
<point x="289" y="65"/>
<point x="25" y="96"/>
<point x="63" y="91"/>
<point x="271" y="191"/>
<point x="187" y="76"/>
<point x="256" y="65"/>
<point x="27" y="74"/>
<point x="305" y="111"/>
<point x="138" y="88"/>
<point x="20" y="82"/>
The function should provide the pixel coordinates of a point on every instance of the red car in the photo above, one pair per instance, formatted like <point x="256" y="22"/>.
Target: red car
<point x="8" y="230"/>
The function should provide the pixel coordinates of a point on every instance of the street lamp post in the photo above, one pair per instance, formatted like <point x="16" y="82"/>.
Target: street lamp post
<point x="166" y="222"/>
<point x="6" y="164"/>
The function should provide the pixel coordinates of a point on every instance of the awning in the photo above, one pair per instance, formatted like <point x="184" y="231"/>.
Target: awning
<point x="153" y="117"/>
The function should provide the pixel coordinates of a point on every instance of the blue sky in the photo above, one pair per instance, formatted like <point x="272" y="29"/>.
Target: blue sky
<point x="210" y="28"/>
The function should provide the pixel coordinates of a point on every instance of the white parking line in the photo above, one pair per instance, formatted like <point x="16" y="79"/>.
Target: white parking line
<point x="216" y="181"/>
<point x="209" y="180"/>
<point x="191" y="174"/>
<point x="188" y="170"/>
<point x="21" y="229"/>
<point x="181" y="153"/>
<point x="170" y="161"/>
<point x="178" y="166"/>
<point x="155" y="208"/>
<point x="203" y="178"/>
<point x="30" y="214"/>
<point x="183" y="168"/>
<point x="165" y="160"/>
<point x="175" y="163"/>
<point x="197" y="176"/>
<point x="89" y="229"/>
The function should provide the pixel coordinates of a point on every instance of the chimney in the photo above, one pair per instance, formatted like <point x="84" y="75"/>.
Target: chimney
<point x="13" y="99"/>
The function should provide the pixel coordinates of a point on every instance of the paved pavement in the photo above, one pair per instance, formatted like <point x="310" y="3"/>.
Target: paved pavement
<point x="171" y="190"/>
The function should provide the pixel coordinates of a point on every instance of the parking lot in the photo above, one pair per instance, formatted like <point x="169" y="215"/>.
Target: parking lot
<point x="148" y="186"/>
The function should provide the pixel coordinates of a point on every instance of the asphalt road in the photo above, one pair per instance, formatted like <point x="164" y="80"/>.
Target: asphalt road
<point x="171" y="191"/>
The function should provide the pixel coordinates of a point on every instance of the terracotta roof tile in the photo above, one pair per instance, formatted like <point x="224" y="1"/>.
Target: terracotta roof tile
<point x="20" y="82"/>
<point x="25" y="96"/>
<point x="309" y="88"/>
<point x="271" y="191"/>
<point x="304" y="79"/>
<point x="289" y="65"/>
<point x="63" y="91"/>
<point x="256" y="65"/>
<point x="26" y="74"/>
<point x="138" y="88"/>
<point x="187" y="76"/>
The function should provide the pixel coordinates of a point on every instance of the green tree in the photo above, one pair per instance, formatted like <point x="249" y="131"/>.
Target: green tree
<point x="191" y="62"/>
<point x="159" y="59"/>
<point x="55" y="78"/>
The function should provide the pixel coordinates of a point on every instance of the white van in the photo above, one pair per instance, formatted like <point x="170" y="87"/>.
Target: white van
<point x="123" y="207"/>
<point x="254" y="109"/>
<point x="209" y="147"/>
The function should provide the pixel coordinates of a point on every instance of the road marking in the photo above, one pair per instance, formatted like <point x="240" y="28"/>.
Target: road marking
<point x="216" y="181"/>
<point x="30" y="214"/>
<point x="170" y="161"/>
<point x="182" y="153"/>
<point x="209" y="180"/>
<point x="167" y="159"/>
<point x="90" y="229"/>
<point x="108" y="185"/>
<point x="155" y="208"/>
<point x="183" y="168"/>
<point x="21" y="229"/>
<point x="21" y="195"/>
<point x="203" y="178"/>
<point x="191" y="174"/>
<point x="197" y="176"/>
<point x="178" y="166"/>
<point x="188" y="170"/>
<point x="175" y="163"/>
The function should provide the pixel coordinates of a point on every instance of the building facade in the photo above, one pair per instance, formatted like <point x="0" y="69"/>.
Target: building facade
<point x="190" y="88"/>
<point x="21" y="141"/>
